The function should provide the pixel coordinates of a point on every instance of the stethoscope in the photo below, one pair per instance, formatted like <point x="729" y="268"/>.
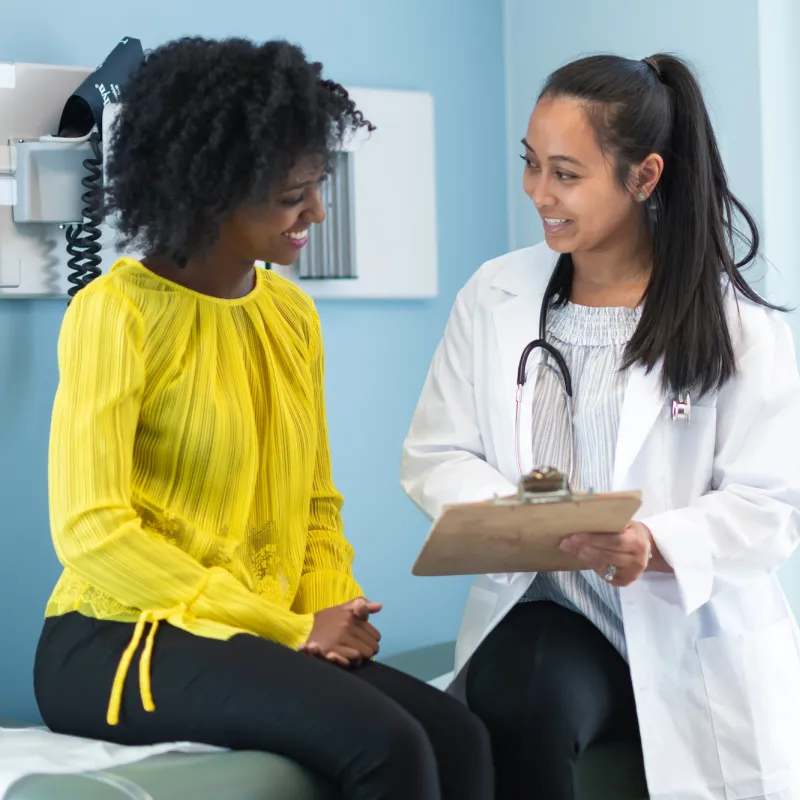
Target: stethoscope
<point x="681" y="408"/>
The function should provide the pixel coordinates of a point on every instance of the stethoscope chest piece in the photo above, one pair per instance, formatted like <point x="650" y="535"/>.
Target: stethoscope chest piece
<point x="682" y="409"/>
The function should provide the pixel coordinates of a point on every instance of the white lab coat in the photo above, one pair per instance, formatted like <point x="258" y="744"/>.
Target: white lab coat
<point x="714" y="650"/>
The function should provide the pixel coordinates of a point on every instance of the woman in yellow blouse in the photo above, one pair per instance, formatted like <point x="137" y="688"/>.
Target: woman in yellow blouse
<point x="207" y="591"/>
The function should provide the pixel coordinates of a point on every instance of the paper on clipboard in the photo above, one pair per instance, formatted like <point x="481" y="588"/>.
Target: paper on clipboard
<point x="510" y="535"/>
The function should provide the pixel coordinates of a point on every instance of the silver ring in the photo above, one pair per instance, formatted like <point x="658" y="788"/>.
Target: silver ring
<point x="610" y="573"/>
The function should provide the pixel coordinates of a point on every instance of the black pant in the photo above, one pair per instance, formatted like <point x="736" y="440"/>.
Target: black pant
<point x="373" y="732"/>
<point x="548" y="684"/>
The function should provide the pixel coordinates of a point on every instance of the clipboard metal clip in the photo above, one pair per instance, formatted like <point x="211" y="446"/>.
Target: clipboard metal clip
<point x="546" y="485"/>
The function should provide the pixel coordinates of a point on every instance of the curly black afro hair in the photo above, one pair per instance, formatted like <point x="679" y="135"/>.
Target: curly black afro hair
<point x="206" y="126"/>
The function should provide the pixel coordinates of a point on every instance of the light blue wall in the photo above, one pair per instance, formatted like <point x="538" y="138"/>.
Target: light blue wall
<point x="722" y="40"/>
<point x="377" y="352"/>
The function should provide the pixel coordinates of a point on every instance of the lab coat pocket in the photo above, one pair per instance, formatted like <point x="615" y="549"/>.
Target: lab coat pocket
<point x="752" y="682"/>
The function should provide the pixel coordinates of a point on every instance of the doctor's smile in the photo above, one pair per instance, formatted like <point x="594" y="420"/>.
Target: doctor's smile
<point x="554" y="225"/>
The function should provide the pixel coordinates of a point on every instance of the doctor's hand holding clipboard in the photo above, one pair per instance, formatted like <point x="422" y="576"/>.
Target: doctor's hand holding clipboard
<point x="654" y="367"/>
<point x="620" y="559"/>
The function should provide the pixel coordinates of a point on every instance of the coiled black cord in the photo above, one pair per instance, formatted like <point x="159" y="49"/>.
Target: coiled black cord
<point x="83" y="240"/>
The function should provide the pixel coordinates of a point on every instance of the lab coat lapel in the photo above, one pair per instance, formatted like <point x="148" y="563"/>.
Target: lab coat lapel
<point x="644" y="399"/>
<point x="516" y="322"/>
<point x="515" y="326"/>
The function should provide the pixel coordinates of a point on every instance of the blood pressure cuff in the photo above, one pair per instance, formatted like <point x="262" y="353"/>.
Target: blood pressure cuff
<point x="84" y="109"/>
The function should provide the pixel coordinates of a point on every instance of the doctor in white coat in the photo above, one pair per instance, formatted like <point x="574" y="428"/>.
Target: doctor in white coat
<point x="678" y="632"/>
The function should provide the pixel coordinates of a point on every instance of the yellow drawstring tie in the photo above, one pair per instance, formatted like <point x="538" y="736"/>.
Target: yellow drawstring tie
<point x="145" y="687"/>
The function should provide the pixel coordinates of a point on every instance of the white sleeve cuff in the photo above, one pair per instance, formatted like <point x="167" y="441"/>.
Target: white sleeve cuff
<point x="684" y="543"/>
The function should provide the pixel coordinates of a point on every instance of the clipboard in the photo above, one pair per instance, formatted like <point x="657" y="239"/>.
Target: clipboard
<point x="522" y="533"/>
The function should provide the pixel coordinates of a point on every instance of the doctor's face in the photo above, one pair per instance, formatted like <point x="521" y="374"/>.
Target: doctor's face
<point x="572" y="182"/>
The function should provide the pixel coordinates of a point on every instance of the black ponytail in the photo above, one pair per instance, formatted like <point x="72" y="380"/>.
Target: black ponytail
<point x="656" y="106"/>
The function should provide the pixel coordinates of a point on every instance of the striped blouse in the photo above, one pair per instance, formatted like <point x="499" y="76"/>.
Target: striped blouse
<point x="592" y="341"/>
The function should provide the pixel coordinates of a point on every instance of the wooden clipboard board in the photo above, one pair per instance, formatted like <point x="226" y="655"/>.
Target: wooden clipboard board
<point x="520" y="533"/>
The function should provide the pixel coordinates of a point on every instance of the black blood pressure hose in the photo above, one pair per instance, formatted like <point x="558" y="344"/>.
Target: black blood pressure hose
<point x="83" y="239"/>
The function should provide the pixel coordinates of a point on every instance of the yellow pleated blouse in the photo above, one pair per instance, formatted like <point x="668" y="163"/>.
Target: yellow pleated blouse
<point x="189" y="471"/>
